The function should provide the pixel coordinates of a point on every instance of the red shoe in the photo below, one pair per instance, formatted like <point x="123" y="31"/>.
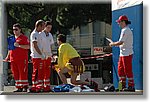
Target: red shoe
<point x="39" y="89"/>
<point x="32" y="90"/>
<point x="47" y="89"/>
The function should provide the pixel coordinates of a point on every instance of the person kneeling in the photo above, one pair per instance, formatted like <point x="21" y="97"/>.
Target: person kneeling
<point x="69" y="61"/>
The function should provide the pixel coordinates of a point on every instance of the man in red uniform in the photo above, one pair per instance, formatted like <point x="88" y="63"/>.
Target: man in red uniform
<point x="37" y="57"/>
<point x="19" y="59"/>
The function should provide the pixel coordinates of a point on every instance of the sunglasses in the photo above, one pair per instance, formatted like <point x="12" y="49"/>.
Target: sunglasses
<point x="15" y="29"/>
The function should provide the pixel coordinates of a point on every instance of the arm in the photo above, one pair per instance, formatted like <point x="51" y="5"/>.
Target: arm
<point x="60" y="58"/>
<point x="123" y="37"/>
<point x="8" y="56"/>
<point x="22" y="46"/>
<point x="60" y="61"/>
<point x="52" y="41"/>
<point x="51" y="49"/>
<point x="116" y="43"/>
<point x="36" y="47"/>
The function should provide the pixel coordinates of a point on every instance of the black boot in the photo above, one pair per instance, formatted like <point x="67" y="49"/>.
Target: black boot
<point x="18" y="90"/>
<point x="25" y="89"/>
<point x="129" y="89"/>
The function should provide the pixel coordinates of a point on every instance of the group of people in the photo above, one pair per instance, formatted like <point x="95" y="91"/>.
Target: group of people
<point x="40" y="44"/>
<point x="69" y="61"/>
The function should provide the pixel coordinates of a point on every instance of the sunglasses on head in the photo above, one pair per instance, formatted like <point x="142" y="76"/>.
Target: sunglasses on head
<point x="15" y="29"/>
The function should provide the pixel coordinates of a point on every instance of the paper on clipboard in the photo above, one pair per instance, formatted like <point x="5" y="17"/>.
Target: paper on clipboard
<point x="109" y="40"/>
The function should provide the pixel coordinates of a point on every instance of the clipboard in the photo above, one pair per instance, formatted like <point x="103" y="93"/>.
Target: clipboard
<point x="109" y="40"/>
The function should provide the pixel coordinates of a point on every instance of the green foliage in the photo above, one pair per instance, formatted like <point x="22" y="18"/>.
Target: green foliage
<point x="63" y="16"/>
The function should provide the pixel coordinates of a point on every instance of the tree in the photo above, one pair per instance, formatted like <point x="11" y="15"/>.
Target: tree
<point x="82" y="14"/>
<point x="63" y="16"/>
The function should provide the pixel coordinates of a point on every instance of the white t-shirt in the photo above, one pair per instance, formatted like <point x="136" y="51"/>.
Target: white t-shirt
<point x="126" y="36"/>
<point x="35" y="36"/>
<point x="47" y="42"/>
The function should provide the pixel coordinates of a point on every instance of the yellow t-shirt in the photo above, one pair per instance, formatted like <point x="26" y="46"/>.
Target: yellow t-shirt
<point x="66" y="52"/>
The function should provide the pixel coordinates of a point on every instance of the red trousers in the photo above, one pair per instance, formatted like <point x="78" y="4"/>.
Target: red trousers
<point x="125" y="70"/>
<point x="46" y="72"/>
<point x="37" y="75"/>
<point x="20" y="72"/>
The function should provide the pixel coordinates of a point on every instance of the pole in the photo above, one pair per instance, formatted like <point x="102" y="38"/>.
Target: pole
<point x="3" y="47"/>
<point x="1" y="59"/>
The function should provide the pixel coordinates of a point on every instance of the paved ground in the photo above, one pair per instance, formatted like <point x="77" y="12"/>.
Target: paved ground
<point x="8" y="90"/>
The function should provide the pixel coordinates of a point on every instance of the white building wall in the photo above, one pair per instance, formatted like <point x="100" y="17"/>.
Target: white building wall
<point x="86" y="40"/>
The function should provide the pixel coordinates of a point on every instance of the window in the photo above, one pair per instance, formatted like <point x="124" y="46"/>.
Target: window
<point x="84" y="30"/>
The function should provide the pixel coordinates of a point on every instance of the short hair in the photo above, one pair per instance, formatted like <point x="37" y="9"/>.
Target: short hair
<point x="62" y="38"/>
<point x="48" y="23"/>
<point x="17" y="25"/>
<point x="39" y="23"/>
<point x="127" y="22"/>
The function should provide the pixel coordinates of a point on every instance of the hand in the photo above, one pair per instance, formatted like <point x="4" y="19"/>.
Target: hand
<point x="56" y="67"/>
<point x="16" y="44"/>
<point x="110" y="44"/>
<point x="6" y="59"/>
<point x="46" y="57"/>
<point x="43" y="56"/>
<point x="54" y="59"/>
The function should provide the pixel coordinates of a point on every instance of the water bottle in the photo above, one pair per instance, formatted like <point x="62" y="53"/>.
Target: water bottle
<point x="120" y="85"/>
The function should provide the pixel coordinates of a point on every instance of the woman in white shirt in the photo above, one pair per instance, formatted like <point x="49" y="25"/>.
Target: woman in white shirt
<point x="125" y="44"/>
